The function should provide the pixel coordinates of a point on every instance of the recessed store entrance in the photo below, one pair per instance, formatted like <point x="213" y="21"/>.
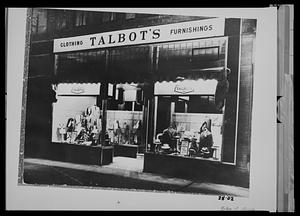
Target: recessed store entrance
<point x="127" y="163"/>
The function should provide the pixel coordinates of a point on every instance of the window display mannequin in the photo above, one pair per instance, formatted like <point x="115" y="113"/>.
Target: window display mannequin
<point x="137" y="132"/>
<point x="117" y="132"/>
<point x="70" y="125"/>
<point x="78" y="124"/>
<point x="62" y="131"/>
<point x="168" y="137"/>
<point x="70" y="136"/>
<point x="92" y="115"/>
<point x="125" y="133"/>
<point x="205" y="141"/>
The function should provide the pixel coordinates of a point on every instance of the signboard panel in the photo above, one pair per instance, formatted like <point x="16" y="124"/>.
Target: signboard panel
<point x="152" y="34"/>
<point x="186" y="87"/>
<point x="78" y="89"/>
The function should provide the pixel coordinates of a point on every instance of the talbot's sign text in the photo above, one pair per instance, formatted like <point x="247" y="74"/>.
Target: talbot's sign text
<point x="153" y="34"/>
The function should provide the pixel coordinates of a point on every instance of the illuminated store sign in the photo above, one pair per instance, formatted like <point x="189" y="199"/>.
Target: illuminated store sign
<point x="152" y="34"/>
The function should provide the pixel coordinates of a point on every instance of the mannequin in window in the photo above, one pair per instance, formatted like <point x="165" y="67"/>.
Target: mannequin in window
<point x="138" y="129"/>
<point x="92" y="114"/>
<point x="117" y="132"/>
<point x="168" y="137"/>
<point x="70" y="129"/>
<point x="125" y="133"/>
<point x="78" y="125"/>
<point x="205" y="141"/>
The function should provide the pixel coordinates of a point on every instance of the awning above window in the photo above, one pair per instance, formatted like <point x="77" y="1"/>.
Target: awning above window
<point x="78" y="89"/>
<point x="186" y="87"/>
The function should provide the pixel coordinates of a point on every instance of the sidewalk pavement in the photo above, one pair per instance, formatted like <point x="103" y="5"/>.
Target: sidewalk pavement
<point x="49" y="172"/>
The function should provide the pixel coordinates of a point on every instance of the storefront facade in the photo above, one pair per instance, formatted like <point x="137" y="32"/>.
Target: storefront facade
<point x="126" y="85"/>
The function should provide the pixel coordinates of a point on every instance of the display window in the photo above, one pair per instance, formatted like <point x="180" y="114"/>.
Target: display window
<point x="190" y="98"/>
<point x="76" y="116"/>
<point x="188" y="125"/>
<point x="78" y="113"/>
<point x="125" y="115"/>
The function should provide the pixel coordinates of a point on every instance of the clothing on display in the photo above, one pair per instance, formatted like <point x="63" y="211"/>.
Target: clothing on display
<point x="82" y="128"/>
<point x="137" y="130"/>
<point x="186" y="143"/>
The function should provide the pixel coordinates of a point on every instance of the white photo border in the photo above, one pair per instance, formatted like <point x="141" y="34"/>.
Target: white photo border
<point x="263" y="138"/>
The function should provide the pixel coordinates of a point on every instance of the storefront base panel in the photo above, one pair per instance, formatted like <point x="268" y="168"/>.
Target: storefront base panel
<point x="195" y="168"/>
<point x="36" y="147"/>
<point x="126" y="150"/>
<point x="92" y="155"/>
